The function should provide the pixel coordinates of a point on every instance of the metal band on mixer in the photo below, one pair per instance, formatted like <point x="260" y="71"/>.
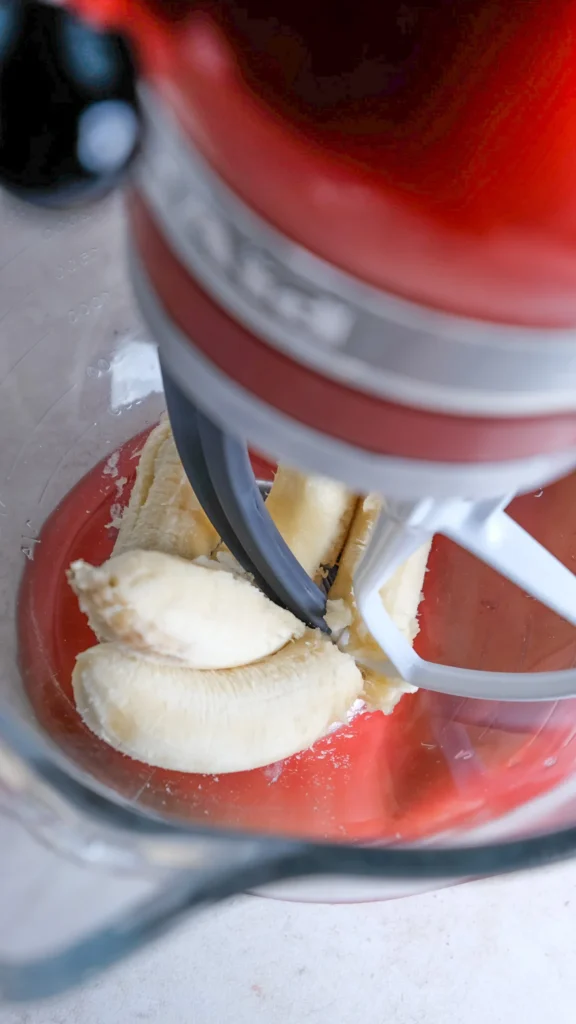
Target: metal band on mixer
<point x="296" y="443"/>
<point x="333" y="323"/>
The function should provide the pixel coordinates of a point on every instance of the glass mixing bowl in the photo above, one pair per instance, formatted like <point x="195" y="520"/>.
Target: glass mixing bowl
<point x="443" y="789"/>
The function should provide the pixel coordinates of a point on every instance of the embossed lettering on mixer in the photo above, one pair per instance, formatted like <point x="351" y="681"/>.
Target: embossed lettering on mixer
<point x="253" y="268"/>
<point x="331" y="321"/>
<point x="203" y="226"/>
<point x="258" y="276"/>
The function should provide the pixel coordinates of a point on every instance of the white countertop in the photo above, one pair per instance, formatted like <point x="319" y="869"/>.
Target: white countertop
<point x="483" y="953"/>
<point x="494" y="951"/>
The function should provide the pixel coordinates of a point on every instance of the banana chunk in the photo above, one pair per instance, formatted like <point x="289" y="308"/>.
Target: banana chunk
<point x="400" y="596"/>
<point x="313" y="515"/>
<point x="215" y="721"/>
<point x="144" y="479"/>
<point x="163" y="513"/>
<point x="168" y="608"/>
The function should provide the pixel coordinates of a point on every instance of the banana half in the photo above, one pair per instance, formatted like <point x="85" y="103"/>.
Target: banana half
<point x="400" y="596"/>
<point x="163" y="513"/>
<point x="313" y="514"/>
<point x="216" y="721"/>
<point x="202" y="616"/>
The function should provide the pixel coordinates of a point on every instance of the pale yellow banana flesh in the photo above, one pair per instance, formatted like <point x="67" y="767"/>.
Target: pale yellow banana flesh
<point x="144" y="479"/>
<point x="126" y="601"/>
<point x="163" y="513"/>
<point x="166" y="607"/>
<point x="313" y="515"/>
<point x="365" y="516"/>
<point x="220" y="721"/>
<point x="400" y="596"/>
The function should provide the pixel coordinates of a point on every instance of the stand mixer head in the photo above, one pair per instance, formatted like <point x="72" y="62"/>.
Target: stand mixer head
<point x="462" y="497"/>
<point x="335" y="363"/>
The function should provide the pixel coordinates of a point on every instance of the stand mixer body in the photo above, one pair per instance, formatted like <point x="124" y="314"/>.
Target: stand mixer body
<point x="355" y="255"/>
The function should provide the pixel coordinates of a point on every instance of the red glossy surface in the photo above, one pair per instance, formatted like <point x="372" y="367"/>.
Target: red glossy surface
<point x="436" y="763"/>
<point x="428" y="148"/>
<point x="326" y="405"/>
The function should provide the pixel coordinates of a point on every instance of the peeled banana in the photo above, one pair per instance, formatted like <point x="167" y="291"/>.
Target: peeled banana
<point x="163" y="513"/>
<point x="215" y="721"/>
<point x="199" y="615"/>
<point x="313" y="515"/>
<point x="400" y="596"/>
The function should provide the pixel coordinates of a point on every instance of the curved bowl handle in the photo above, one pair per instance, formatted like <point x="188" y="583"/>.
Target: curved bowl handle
<point x="40" y="794"/>
<point x="244" y="865"/>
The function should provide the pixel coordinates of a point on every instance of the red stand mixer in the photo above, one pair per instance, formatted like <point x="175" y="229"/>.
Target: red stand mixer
<point x="339" y="230"/>
<point x="352" y="237"/>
